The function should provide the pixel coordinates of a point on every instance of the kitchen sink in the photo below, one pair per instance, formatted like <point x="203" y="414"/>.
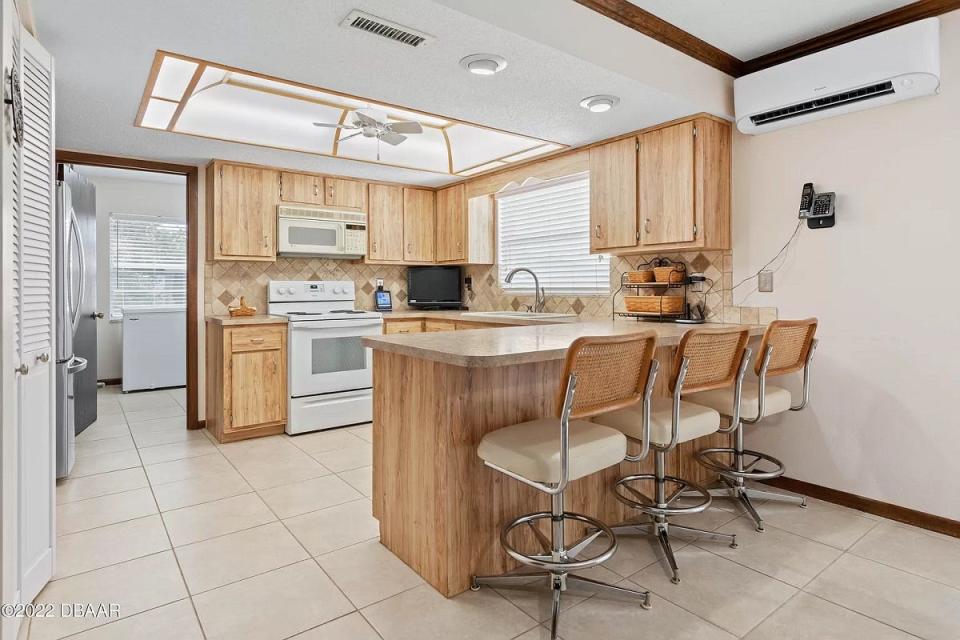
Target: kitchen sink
<point x="528" y="315"/>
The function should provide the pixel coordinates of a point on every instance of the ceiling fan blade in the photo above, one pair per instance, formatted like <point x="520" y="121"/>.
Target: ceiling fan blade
<point x="335" y="126"/>
<point x="352" y="135"/>
<point x="405" y="127"/>
<point x="392" y="138"/>
<point x="364" y="120"/>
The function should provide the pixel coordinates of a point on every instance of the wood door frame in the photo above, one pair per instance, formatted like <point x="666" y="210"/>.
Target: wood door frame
<point x="192" y="174"/>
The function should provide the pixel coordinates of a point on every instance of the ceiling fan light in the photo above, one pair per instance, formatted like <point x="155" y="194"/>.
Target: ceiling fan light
<point x="483" y="64"/>
<point x="600" y="103"/>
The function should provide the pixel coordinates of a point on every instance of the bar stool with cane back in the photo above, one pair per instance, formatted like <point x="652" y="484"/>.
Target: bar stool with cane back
<point x="600" y="374"/>
<point x="787" y="346"/>
<point x="705" y="359"/>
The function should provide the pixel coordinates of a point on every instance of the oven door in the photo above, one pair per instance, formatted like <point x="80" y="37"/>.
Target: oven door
<point x="327" y="356"/>
<point x="308" y="236"/>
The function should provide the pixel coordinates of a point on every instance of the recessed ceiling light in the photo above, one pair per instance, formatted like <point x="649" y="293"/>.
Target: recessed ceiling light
<point x="483" y="64"/>
<point x="599" y="104"/>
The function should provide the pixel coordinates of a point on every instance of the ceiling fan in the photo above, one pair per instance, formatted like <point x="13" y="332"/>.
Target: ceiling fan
<point x="373" y="124"/>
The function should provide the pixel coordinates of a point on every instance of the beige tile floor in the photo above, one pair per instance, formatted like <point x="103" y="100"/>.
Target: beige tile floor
<point x="273" y="538"/>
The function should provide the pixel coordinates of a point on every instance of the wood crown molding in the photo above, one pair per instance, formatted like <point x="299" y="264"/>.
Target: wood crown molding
<point x="630" y="15"/>
<point x="913" y="517"/>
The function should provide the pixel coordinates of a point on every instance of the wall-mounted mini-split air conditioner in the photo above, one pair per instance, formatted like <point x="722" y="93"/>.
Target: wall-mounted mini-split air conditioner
<point x="891" y="66"/>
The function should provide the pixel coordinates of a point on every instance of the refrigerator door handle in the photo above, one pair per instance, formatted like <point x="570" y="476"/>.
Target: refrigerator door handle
<point x="75" y="232"/>
<point x="76" y="365"/>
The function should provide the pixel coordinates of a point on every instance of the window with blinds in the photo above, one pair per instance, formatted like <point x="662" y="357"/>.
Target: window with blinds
<point x="546" y="228"/>
<point x="148" y="264"/>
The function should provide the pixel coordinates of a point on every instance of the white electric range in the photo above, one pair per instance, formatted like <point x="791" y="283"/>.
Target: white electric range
<point x="329" y="371"/>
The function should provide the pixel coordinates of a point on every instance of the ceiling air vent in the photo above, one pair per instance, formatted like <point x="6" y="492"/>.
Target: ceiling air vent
<point x="385" y="29"/>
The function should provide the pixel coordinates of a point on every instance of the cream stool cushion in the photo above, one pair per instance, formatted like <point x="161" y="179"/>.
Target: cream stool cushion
<point x="532" y="449"/>
<point x="695" y="421"/>
<point x="777" y="400"/>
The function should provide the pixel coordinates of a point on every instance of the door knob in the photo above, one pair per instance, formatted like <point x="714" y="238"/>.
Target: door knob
<point x="22" y="370"/>
<point x="97" y="314"/>
<point x="43" y="357"/>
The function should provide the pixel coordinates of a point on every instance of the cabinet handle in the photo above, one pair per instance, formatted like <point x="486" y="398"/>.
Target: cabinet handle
<point x="22" y="370"/>
<point x="373" y="245"/>
<point x="256" y="340"/>
<point x="596" y="231"/>
<point x="330" y="192"/>
<point x="316" y="190"/>
<point x="646" y="225"/>
<point x="43" y="357"/>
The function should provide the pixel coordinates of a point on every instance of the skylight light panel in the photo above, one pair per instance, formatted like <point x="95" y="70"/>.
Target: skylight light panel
<point x="158" y="113"/>
<point x="173" y="78"/>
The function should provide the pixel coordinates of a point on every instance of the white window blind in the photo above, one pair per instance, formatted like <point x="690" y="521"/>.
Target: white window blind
<point x="546" y="227"/>
<point x="148" y="263"/>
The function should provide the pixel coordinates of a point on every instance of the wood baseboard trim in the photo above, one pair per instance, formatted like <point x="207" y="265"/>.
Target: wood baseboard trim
<point x="199" y="424"/>
<point x="920" y="519"/>
<point x="111" y="381"/>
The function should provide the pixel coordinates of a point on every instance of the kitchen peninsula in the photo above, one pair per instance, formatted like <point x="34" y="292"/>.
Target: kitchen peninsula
<point x="436" y="395"/>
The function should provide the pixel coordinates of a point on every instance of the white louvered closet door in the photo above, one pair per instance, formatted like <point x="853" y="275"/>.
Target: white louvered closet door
<point x="34" y="287"/>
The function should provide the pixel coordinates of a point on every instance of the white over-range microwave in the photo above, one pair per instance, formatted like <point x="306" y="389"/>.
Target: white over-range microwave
<point x="310" y="231"/>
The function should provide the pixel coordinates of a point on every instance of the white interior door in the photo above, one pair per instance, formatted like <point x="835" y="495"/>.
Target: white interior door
<point x="34" y="291"/>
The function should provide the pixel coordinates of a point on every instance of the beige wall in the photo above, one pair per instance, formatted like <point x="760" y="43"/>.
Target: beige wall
<point x="882" y="422"/>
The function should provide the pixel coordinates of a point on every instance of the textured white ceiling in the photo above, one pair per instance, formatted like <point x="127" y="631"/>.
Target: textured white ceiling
<point x="103" y="51"/>
<point x="749" y="28"/>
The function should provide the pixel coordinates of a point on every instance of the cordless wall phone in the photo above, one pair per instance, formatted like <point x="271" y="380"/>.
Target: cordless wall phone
<point x="818" y="209"/>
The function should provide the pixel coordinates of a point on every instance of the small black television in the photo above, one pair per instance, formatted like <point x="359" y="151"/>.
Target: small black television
<point x="435" y="287"/>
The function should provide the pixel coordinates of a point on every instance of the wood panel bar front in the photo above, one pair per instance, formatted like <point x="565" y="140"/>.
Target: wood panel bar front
<point x="440" y="509"/>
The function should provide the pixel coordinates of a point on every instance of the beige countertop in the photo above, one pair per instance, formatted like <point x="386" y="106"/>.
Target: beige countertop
<point x="260" y="318"/>
<point x="522" y="344"/>
<point x="465" y="316"/>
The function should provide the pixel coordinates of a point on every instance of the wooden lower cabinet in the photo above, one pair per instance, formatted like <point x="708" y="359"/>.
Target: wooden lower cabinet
<point x="246" y="380"/>
<point x="434" y="325"/>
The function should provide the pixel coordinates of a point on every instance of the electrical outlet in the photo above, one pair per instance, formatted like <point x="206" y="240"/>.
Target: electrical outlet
<point x="379" y="283"/>
<point x="765" y="281"/>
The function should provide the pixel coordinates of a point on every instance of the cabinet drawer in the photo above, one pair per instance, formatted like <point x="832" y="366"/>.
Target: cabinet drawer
<point x="403" y="326"/>
<point x="256" y="339"/>
<point x="432" y="326"/>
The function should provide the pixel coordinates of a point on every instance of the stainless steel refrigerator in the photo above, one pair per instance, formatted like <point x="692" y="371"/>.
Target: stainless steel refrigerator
<point x="76" y="317"/>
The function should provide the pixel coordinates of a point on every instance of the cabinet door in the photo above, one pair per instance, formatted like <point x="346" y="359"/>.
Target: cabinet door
<point x="667" y="185"/>
<point x="385" y="223"/>
<point x="451" y="224"/>
<point x="248" y="212"/>
<point x="340" y="192"/>
<point x="613" y="195"/>
<point x="301" y="187"/>
<point x="419" y="215"/>
<point x="257" y="389"/>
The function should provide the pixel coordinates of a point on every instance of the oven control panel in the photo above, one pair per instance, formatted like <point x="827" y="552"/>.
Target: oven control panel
<point x="306" y="290"/>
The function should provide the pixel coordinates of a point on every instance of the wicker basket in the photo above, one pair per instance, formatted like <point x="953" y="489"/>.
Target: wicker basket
<point x="640" y="277"/>
<point x="654" y="304"/>
<point x="673" y="274"/>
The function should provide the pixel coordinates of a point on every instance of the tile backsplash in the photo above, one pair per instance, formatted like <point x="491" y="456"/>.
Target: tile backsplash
<point x="225" y="282"/>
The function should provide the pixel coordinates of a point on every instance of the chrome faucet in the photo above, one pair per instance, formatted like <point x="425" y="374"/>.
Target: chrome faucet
<point x="539" y="295"/>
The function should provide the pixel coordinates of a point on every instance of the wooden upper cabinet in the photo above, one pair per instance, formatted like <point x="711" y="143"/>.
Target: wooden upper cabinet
<point x="341" y="192"/>
<point x="385" y="223"/>
<point x="464" y="227"/>
<point x="613" y="195"/>
<point x="667" y="185"/>
<point x="419" y="217"/>
<point x="451" y="243"/>
<point x="242" y="212"/>
<point x="301" y="187"/>
<point x="684" y="179"/>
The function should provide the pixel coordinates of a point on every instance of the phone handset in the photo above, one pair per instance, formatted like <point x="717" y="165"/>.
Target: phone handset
<point x="806" y="200"/>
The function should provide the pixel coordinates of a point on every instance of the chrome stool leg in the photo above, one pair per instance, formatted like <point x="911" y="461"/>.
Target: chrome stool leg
<point x="664" y="540"/>
<point x="773" y="496"/>
<point x="556" y="561"/>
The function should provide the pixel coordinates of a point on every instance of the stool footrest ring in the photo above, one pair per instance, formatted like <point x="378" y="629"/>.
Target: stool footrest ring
<point x="710" y="459"/>
<point x="565" y="563"/>
<point x="635" y="498"/>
